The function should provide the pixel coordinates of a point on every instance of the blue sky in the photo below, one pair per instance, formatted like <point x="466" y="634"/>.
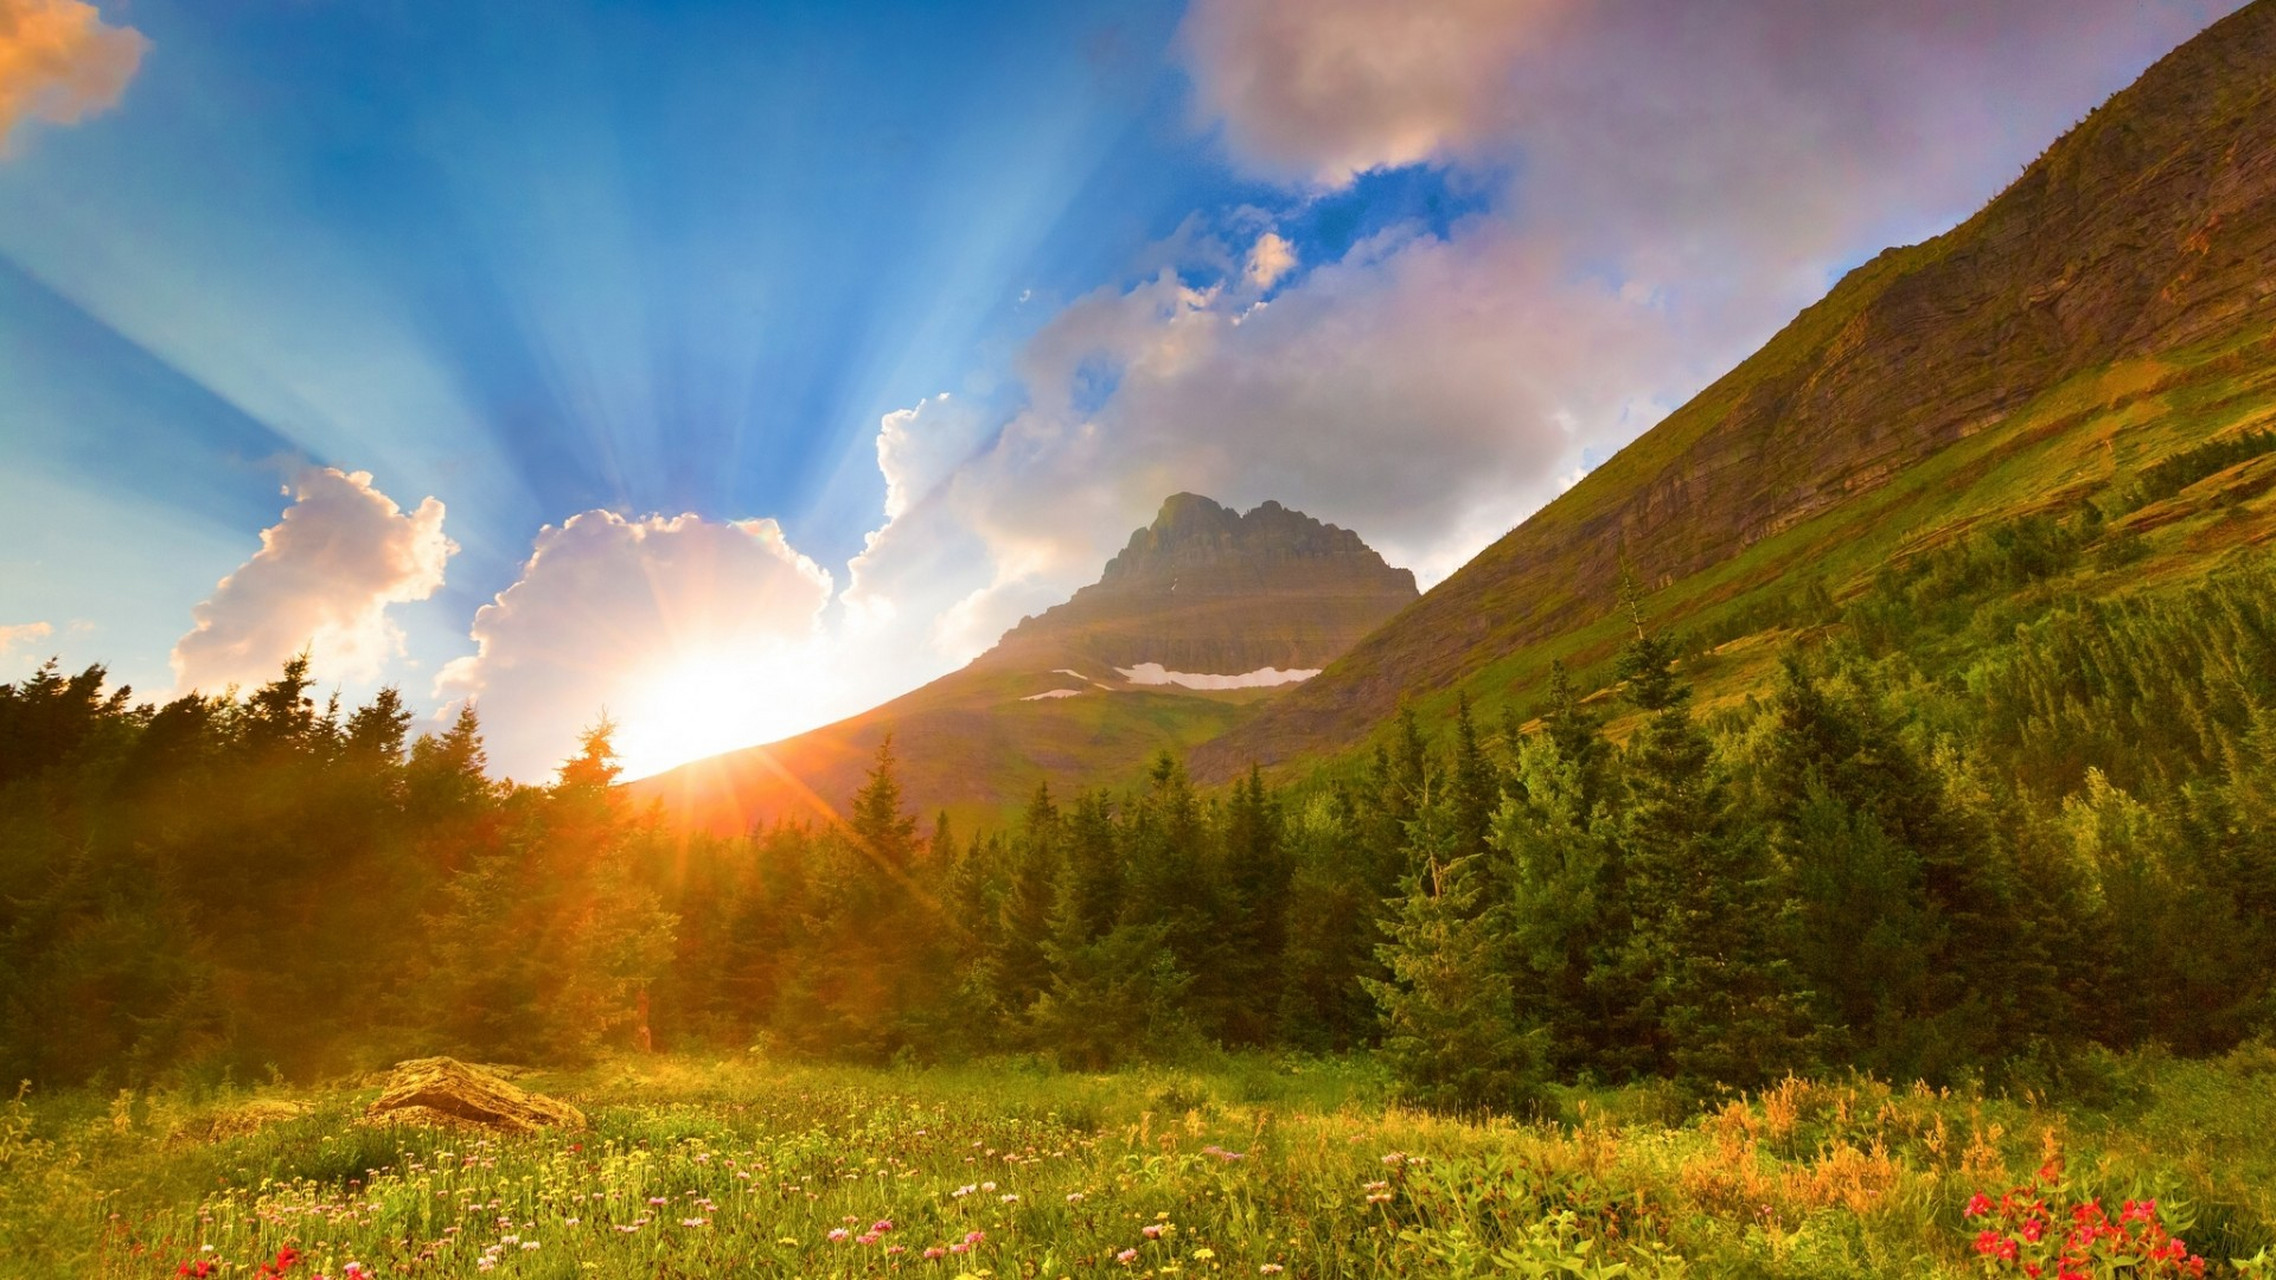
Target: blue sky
<point x="540" y="258"/>
<point x="536" y="260"/>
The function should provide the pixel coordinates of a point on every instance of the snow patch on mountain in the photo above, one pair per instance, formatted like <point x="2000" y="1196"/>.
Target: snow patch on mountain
<point x="1153" y="673"/>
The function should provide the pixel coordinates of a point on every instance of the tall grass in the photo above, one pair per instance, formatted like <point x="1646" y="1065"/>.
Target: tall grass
<point x="1251" y="1167"/>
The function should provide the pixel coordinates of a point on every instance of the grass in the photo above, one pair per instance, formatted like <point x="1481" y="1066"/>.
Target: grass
<point x="746" y="1167"/>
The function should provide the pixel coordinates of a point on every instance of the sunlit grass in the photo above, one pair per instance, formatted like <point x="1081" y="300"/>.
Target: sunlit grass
<point x="756" y="1168"/>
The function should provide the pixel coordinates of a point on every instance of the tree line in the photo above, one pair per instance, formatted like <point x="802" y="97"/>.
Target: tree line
<point x="1922" y="848"/>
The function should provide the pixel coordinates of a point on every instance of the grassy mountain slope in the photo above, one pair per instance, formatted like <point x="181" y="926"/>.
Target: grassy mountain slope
<point x="1201" y="590"/>
<point x="2110" y="308"/>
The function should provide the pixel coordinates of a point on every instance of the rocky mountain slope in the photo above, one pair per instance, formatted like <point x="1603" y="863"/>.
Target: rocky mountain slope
<point x="1204" y="613"/>
<point x="2111" y="307"/>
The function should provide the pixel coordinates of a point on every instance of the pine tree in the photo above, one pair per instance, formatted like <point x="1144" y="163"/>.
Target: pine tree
<point x="879" y="827"/>
<point x="1450" y="1029"/>
<point x="1031" y="910"/>
<point x="1567" y="918"/>
<point x="1701" y="946"/>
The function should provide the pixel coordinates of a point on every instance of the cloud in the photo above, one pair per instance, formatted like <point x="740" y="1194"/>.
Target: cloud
<point x="21" y="635"/>
<point x="918" y="448"/>
<point x="696" y="636"/>
<point x="1270" y="259"/>
<point x="1678" y="135"/>
<point x="322" y="580"/>
<point x="60" y="62"/>
<point x="1326" y="89"/>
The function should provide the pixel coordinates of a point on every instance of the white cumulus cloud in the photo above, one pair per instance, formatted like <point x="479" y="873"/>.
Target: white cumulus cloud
<point x="695" y="636"/>
<point x="322" y="581"/>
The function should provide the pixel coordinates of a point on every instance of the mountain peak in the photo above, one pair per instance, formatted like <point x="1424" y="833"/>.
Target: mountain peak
<point x="1205" y="589"/>
<point x="1213" y="548"/>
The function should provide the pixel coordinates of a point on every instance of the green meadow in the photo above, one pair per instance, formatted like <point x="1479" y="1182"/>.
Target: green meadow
<point x="1247" y="1165"/>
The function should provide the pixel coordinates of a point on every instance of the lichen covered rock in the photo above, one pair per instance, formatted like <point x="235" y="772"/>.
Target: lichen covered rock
<point x="447" y="1093"/>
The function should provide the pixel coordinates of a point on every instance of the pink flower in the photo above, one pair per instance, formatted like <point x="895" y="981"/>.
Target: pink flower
<point x="882" y="1225"/>
<point x="1979" y="1206"/>
<point x="838" y="1235"/>
<point x="974" y="1237"/>
<point x="1152" y="1231"/>
<point x="935" y="1253"/>
<point x="1126" y="1257"/>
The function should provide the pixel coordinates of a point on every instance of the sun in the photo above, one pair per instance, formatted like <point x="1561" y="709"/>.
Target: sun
<point x="700" y="705"/>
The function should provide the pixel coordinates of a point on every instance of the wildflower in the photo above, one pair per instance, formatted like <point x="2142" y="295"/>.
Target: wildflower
<point x="1009" y="1198"/>
<point x="867" y="1238"/>
<point x="693" y="1222"/>
<point x="1979" y="1206"/>
<point x="838" y="1235"/>
<point x="1204" y="1254"/>
<point x="960" y="1247"/>
<point x="2034" y="1229"/>
<point x="1270" y="1269"/>
<point x="528" y="1246"/>
<point x="1380" y="1197"/>
<point x="1126" y="1257"/>
<point x="1074" y="1197"/>
<point x="882" y="1225"/>
<point x="935" y="1253"/>
<point x="963" y="1191"/>
<point x="975" y="1237"/>
<point x="987" y="1186"/>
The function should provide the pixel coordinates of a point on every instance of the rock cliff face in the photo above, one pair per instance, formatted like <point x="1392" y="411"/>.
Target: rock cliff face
<point x="2146" y="232"/>
<point x="1205" y="589"/>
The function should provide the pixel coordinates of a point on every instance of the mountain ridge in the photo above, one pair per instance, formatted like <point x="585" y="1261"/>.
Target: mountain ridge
<point x="2140" y="231"/>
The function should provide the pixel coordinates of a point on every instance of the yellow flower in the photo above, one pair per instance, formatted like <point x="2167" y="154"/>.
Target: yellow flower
<point x="1204" y="1254"/>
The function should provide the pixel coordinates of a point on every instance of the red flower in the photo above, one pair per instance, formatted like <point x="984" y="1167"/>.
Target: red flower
<point x="1979" y="1206"/>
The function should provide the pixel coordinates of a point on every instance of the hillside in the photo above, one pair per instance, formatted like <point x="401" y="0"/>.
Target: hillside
<point x="2109" y="309"/>
<point x="1204" y="612"/>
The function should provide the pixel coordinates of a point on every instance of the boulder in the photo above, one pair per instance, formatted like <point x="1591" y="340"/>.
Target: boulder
<point x="448" y="1093"/>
